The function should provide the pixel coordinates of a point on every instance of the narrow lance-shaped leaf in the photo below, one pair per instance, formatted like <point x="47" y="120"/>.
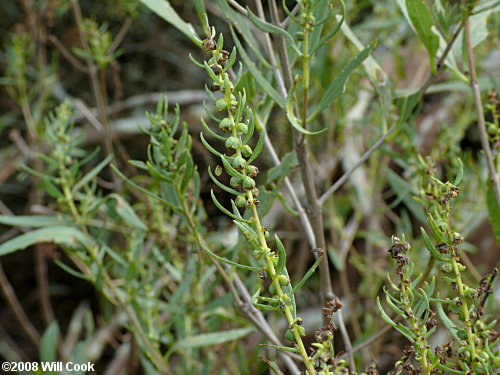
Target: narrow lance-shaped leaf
<point x="452" y="328"/>
<point x="435" y="229"/>
<point x="272" y="29"/>
<point x="338" y="85"/>
<point x="283" y="348"/>
<point x="127" y="213"/>
<point x="460" y="173"/>
<point x="209" y="148"/>
<point x="213" y="338"/>
<point x="263" y="82"/>
<point x="227" y="212"/>
<point x="272" y="365"/>
<point x="48" y="343"/>
<point x="227" y="261"/>
<point x="307" y="275"/>
<point x="393" y="307"/>
<point x="221" y="185"/>
<point x="422" y="20"/>
<point x="163" y="9"/>
<point x="62" y="235"/>
<point x="32" y="221"/>
<point x="258" y="147"/>
<point x="140" y="188"/>
<point x="432" y="249"/>
<point x="294" y="121"/>
<point x="281" y="255"/>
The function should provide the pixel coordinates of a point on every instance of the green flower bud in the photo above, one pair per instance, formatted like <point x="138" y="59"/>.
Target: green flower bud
<point x="457" y="238"/>
<point x="233" y="143"/>
<point x="235" y="182"/>
<point x="220" y="104"/>
<point x="238" y="163"/>
<point x="246" y="151"/>
<point x="242" y="128"/>
<point x="226" y="125"/>
<point x="248" y="183"/>
<point x="241" y="201"/>
<point x="233" y="104"/>
<point x="284" y="281"/>
<point x="446" y="268"/>
<point x="301" y="330"/>
<point x="287" y="300"/>
<point x="461" y="267"/>
<point x="252" y="171"/>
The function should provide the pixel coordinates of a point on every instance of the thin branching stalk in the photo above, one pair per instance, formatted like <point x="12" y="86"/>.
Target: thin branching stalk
<point x="483" y="133"/>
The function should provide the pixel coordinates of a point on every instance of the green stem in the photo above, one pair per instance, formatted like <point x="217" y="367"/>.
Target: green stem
<point x="109" y="290"/>
<point x="277" y="286"/>
<point x="465" y="306"/>
<point x="305" y="78"/>
<point x="416" y="328"/>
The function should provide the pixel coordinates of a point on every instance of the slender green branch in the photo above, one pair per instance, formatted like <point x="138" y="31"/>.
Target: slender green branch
<point x="483" y="133"/>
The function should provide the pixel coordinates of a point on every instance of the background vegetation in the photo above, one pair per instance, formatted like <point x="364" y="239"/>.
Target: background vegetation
<point x="374" y="159"/>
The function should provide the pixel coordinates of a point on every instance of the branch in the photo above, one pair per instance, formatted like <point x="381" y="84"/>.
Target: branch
<point x="483" y="133"/>
<point x="332" y="189"/>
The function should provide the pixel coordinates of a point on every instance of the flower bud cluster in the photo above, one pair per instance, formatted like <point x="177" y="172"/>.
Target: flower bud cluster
<point x="236" y="125"/>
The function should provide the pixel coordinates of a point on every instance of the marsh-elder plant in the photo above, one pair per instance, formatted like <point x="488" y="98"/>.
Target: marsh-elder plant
<point x="306" y="222"/>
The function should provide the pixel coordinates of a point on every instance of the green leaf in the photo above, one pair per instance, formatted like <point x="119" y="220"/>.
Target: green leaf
<point x="163" y="9"/>
<point x="258" y="146"/>
<point x="188" y="172"/>
<point x="393" y="307"/>
<point x="62" y="235"/>
<point x="263" y="82"/>
<point x="452" y="328"/>
<point x="48" y="344"/>
<point x="281" y="255"/>
<point x="307" y="275"/>
<point x="127" y="213"/>
<point x="338" y="85"/>
<point x="422" y="20"/>
<point x="227" y="212"/>
<point x="50" y="188"/>
<point x="404" y="191"/>
<point x="208" y="147"/>
<point x="272" y="365"/>
<point x="140" y="188"/>
<point x="493" y="211"/>
<point x="294" y="121"/>
<point x="70" y="270"/>
<point x="227" y="261"/>
<point x="199" y="6"/>
<point x="384" y="315"/>
<point x="432" y="249"/>
<point x="91" y="175"/>
<point x="221" y="185"/>
<point x="211" y="132"/>
<point x="435" y="229"/>
<point x="460" y="173"/>
<point x="272" y="29"/>
<point x="209" y="339"/>
<point x="280" y="171"/>
<point x="32" y="221"/>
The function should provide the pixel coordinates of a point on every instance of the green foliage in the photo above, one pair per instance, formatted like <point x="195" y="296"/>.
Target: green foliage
<point x="328" y="124"/>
